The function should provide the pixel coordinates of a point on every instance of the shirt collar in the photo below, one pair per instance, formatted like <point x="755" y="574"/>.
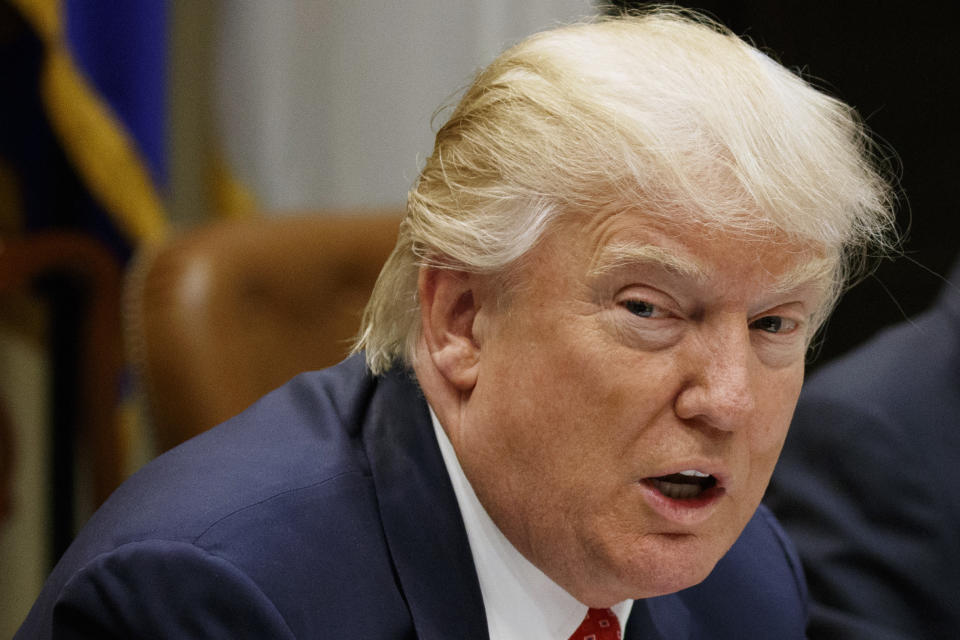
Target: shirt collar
<point x="519" y="599"/>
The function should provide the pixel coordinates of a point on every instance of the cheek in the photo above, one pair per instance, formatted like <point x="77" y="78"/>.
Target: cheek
<point x="770" y="430"/>
<point x="779" y="394"/>
<point x="550" y="414"/>
<point x="568" y="394"/>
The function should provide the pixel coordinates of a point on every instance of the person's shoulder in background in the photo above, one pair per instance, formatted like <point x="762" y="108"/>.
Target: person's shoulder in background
<point x="866" y="482"/>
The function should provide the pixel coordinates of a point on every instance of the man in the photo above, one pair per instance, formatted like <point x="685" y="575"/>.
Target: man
<point x="574" y="377"/>
<point x="866" y="485"/>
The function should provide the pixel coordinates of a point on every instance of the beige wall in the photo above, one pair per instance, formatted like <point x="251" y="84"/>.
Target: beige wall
<point x="23" y="541"/>
<point x="319" y="105"/>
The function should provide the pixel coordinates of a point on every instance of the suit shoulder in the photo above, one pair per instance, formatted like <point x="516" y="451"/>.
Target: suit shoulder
<point x="283" y="494"/>
<point x="156" y="588"/>
<point x="290" y="439"/>
<point x="757" y="590"/>
<point x="924" y="353"/>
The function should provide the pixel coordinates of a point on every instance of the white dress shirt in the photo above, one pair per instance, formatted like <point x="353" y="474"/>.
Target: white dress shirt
<point x="521" y="602"/>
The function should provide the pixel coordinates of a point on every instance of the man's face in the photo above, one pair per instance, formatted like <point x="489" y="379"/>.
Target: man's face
<point x="632" y="398"/>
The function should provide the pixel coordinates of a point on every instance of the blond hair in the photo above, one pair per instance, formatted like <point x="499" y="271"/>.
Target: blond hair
<point x="662" y="111"/>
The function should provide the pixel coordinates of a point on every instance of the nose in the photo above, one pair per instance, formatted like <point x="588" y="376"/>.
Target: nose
<point x="719" y="387"/>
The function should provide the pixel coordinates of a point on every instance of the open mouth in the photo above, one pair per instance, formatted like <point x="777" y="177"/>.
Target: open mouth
<point x="685" y="485"/>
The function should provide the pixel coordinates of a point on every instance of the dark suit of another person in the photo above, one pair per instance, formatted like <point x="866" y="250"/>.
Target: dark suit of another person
<point x="325" y="511"/>
<point x="868" y="484"/>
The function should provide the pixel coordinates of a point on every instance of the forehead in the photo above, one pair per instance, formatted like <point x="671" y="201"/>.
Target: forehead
<point x="627" y="240"/>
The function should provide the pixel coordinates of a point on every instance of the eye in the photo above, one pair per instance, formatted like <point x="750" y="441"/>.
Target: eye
<point x="773" y="324"/>
<point x="640" y="308"/>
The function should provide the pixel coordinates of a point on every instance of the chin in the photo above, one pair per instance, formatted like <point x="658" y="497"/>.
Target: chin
<point x="667" y="567"/>
<point x="660" y="582"/>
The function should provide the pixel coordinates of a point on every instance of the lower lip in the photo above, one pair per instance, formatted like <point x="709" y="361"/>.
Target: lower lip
<point x="687" y="512"/>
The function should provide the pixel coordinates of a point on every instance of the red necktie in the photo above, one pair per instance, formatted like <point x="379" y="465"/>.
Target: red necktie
<point x="600" y="624"/>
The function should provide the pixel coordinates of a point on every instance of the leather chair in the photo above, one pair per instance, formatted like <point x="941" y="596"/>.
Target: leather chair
<point x="222" y="314"/>
<point x="80" y="280"/>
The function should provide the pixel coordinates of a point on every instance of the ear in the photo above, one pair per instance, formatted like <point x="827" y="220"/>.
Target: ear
<point x="448" y="308"/>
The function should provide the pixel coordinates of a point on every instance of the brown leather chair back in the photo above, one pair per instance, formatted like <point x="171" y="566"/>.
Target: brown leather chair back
<point x="220" y="315"/>
<point x="84" y="424"/>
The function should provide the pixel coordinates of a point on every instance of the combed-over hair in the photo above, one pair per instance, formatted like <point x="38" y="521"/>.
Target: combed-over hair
<point x="664" y="112"/>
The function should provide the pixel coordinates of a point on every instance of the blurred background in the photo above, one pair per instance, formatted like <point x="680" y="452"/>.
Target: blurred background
<point x="124" y="123"/>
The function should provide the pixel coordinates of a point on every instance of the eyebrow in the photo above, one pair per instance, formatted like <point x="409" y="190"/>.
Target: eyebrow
<point x="619" y="256"/>
<point x="816" y="271"/>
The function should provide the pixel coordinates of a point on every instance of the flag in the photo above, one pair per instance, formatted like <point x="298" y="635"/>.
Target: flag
<point x="84" y="139"/>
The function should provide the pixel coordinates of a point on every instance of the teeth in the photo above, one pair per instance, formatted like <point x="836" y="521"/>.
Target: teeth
<point x="677" y="491"/>
<point x="684" y="484"/>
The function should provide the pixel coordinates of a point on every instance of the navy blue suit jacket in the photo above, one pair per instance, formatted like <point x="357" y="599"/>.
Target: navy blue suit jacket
<point x="868" y="482"/>
<point x="325" y="511"/>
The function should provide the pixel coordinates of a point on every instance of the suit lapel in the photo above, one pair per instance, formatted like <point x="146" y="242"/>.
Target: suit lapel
<point x="421" y="518"/>
<point x="662" y="618"/>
